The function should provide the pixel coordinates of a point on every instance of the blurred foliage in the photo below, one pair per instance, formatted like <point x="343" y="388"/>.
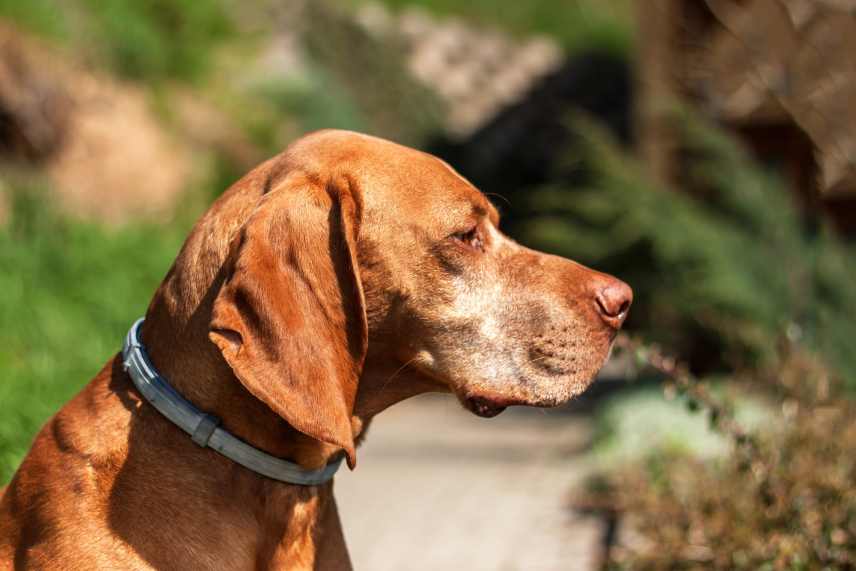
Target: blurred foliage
<point x="43" y="17"/>
<point x="70" y="289"/>
<point x="157" y="39"/>
<point x="577" y="24"/>
<point x="787" y="501"/>
<point x="315" y="102"/>
<point x="632" y="424"/>
<point x="726" y="273"/>
<point x="373" y="75"/>
<point x="719" y="275"/>
<point x="149" y="39"/>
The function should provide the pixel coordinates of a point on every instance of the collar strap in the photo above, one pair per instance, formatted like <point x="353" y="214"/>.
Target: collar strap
<point x="204" y="429"/>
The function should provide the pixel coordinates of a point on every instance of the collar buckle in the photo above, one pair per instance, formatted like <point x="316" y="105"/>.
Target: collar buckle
<point x="206" y="427"/>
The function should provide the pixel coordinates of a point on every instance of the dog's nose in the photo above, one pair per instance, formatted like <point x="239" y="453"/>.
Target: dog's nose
<point x="613" y="301"/>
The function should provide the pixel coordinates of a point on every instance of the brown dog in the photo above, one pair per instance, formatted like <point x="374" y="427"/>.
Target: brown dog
<point x="341" y="277"/>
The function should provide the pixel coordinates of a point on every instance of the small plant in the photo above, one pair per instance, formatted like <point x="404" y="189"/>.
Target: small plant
<point x="784" y="499"/>
<point x="731" y="275"/>
<point x="721" y="268"/>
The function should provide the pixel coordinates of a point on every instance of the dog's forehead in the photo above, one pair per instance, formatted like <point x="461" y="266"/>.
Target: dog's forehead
<point x="425" y="187"/>
<point x="421" y="186"/>
<point x="395" y="180"/>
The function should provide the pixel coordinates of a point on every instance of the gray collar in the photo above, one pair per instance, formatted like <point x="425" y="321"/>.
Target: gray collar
<point x="204" y="428"/>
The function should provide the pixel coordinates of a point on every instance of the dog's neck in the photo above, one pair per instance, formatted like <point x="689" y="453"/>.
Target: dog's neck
<point x="180" y="312"/>
<point x="184" y="355"/>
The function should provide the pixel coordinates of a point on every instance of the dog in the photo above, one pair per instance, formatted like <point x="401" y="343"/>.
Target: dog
<point x="340" y="277"/>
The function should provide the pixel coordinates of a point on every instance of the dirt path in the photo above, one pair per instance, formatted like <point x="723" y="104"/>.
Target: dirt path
<point x="440" y="489"/>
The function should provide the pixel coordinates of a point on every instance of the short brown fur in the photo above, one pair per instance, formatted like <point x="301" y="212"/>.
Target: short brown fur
<point x="340" y="277"/>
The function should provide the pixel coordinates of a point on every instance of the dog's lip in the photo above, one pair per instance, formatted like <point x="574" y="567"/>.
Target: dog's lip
<point x="488" y="405"/>
<point x="483" y="407"/>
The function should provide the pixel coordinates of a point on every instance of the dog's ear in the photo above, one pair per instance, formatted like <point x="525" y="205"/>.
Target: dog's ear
<point x="290" y="316"/>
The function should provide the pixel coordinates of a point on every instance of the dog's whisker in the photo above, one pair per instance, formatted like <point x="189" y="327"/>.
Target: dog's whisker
<point x="539" y="359"/>
<point x="395" y="374"/>
<point x="496" y="194"/>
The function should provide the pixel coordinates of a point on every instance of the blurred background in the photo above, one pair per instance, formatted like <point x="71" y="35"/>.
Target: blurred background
<point x="701" y="150"/>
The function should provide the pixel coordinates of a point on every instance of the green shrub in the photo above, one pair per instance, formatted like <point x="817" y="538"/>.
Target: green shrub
<point x="371" y="75"/>
<point x="139" y="39"/>
<point x="721" y="270"/>
<point x="633" y="424"/>
<point x="788" y="501"/>
<point x="44" y="17"/>
<point x="157" y="39"/>
<point x="70" y="291"/>
<point x="577" y="24"/>
<point x="313" y="101"/>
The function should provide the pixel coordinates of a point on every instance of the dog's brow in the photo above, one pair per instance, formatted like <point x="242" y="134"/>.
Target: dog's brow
<point x="481" y="211"/>
<point x="487" y="210"/>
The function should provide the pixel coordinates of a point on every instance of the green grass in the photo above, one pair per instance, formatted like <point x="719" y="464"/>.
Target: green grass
<point x="157" y="39"/>
<point x="70" y="289"/>
<point x="43" y="17"/>
<point x="140" y="39"/>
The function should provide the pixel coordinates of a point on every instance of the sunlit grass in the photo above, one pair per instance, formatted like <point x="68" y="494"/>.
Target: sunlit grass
<point x="68" y="292"/>
<point x="152" y="40"/>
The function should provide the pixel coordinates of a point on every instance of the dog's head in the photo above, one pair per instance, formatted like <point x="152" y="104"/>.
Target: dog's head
<point x="364" y="259"/>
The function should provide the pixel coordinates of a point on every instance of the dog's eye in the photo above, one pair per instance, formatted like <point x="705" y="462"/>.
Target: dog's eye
<point x="471" y="238"/>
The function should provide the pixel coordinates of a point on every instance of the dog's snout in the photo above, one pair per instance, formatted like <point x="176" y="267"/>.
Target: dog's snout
<point x="613" y="298"/>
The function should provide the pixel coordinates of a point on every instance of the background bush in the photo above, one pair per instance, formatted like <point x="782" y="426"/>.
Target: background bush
<point x="788" y="504"/>
<point x="70" y="290"/>
<point x="147" y="39"/>
<point x="728" y="273"/>
<point x="720" y="273"/>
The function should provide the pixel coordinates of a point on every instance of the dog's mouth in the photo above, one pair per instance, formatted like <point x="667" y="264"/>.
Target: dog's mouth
<point x="540" y="385"/>
<point x="488" y="405"/>
<point x="483" y="406"/>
